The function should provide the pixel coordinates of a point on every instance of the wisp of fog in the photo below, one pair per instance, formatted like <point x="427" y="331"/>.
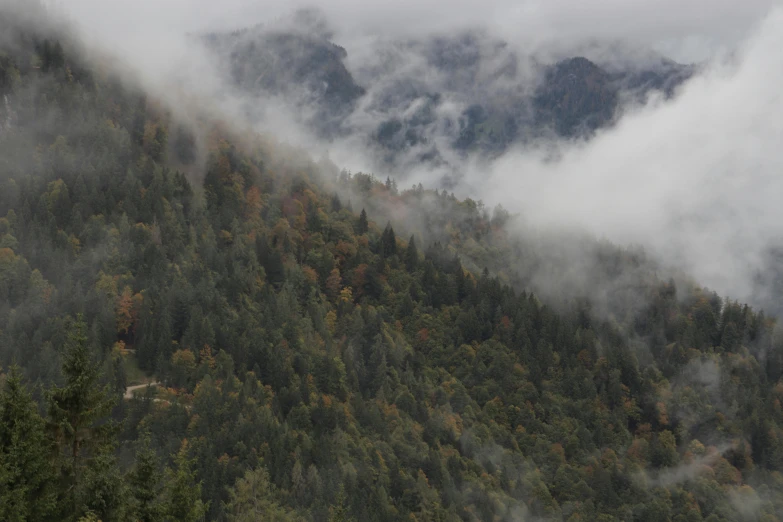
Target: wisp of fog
<point x="694" y="179"/>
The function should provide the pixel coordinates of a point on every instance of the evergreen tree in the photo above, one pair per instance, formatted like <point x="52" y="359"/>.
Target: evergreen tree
<point x="336" y="204"/>
<point x="459" y="281"/>
<point x="362" y="226"/>
<point x="182" y="494"/>
<point x="253" y="499"/>
<point x="411" y="256"/>
<point x="271" y="259"/>
<point x="184" y="145"/>
<point x="144" y="481"/>
<point x="80" y="427"/>
<point x="102" y="489"/>
<point x="27" y="481"/>
<point x="388" y="242"/>
<point x="339" y="511"/>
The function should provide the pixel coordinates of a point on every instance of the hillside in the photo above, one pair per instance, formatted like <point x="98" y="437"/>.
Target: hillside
<point x="331" y="348"/>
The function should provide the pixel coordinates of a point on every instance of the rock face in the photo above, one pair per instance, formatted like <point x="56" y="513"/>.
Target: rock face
<point x="435" y="97"/>
<point x="308" y="70"/>
<point x="576" y="97"/>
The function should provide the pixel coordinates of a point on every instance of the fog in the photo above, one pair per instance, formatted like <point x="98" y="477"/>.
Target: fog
<point x="697" y="179"/>
<point x="694" y="180"/>
<point x="690" y="29"/>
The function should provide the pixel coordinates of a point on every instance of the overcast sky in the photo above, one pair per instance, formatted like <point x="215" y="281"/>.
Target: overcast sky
<point x="685" y="29"/>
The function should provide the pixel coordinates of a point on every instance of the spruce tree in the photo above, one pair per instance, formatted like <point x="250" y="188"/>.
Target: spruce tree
<point x="338" y="512"/>
<point x="82" y="432"/>
<point x="411" y="256"/>
<point x="182" y="493"/>
<point x="459" y="279"/>
<point x="253" y="497"/>
<point x="363" y="225"/>
<point x="144" y="482"/>
<point x="27" y="479"/>
<point x="336" y="203"/>
<point x="388" y="241"/>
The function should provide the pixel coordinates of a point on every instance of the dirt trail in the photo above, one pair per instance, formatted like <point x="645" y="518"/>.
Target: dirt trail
<point x="130" y="389"/>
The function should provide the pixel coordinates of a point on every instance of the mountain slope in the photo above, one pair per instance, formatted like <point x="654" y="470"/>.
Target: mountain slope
<point x="316" y="366"/>
<point x="309" y="71"/>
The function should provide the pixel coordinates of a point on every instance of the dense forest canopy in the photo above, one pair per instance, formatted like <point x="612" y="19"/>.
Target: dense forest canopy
<point x="315" y="363"/>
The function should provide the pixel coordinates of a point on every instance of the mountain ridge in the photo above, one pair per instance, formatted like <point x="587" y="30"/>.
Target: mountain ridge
<point x="403" y="100"/>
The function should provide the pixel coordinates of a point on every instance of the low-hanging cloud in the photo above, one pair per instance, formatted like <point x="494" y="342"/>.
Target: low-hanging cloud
<point x="697" y="179"/>
<point x="694" y="179"/>
<point x="692" y="27"/>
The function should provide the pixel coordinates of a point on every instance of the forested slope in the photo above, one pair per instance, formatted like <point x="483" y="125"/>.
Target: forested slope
<point x="316" y="366"/>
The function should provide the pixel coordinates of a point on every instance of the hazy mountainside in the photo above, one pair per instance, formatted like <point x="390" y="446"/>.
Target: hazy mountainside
<point x="430" y="98"/>
<point x="317" y="366"/>
<point x="578" y="97"/>
<point x="305" y="69"/>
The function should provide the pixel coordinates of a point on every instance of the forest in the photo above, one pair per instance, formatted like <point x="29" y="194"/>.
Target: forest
<point x="320" y="354"/>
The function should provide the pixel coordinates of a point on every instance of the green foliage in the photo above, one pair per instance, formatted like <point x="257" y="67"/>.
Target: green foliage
<point x="362" y="226"/>
<point x="144" y="483"/>
<point x="82" y="434"/>
<point x="253" y="499"/>
<point x="27" y="485"/>
<point x="182" y="494"/>
<point x="313" y="370"/>
<point x="339" y="511"/>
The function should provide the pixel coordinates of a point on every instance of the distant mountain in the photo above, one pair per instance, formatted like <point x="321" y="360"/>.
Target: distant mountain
<point x="307" y="69"/>
<point x="578" y="97"/>
<point x="432" y="98"/>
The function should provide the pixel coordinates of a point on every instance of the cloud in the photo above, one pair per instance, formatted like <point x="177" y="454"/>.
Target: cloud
<point x="669" y="477"/>
<point x="692" y="25"/>
<point x="697" y="179"/>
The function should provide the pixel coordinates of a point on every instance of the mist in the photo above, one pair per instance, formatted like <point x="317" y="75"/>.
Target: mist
<point x="693" y="179"/>
<point x="696" y="179"/>
<point x="691" y="28"/>
<point x="670" y="182"/>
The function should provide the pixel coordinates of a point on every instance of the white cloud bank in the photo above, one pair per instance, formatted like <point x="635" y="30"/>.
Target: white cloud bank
<point x="684" y="27"/>
<point x="699" y="179"/>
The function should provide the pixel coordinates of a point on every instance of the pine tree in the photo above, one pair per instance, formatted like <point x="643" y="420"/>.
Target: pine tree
<point x="139" y="121"/>
<point x="182" y="493"/>
<point x="339" y="511"/>
<point x="102" y="489"/>
<point x="270" y="258"/>
<point x="82" y="434"/>
<point x="411" y="255"/>
<point x="336" y="203"/>
<point x="253" y="498"/>
<point x="373" y="286"/>
<point x="459" y="279"/>
<point x="27" y="480"/>
<point x="363" y="226"/>
<point x="388" y="241"/>
<point x="144" y="483"/>
<point x="274" y="268"/>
